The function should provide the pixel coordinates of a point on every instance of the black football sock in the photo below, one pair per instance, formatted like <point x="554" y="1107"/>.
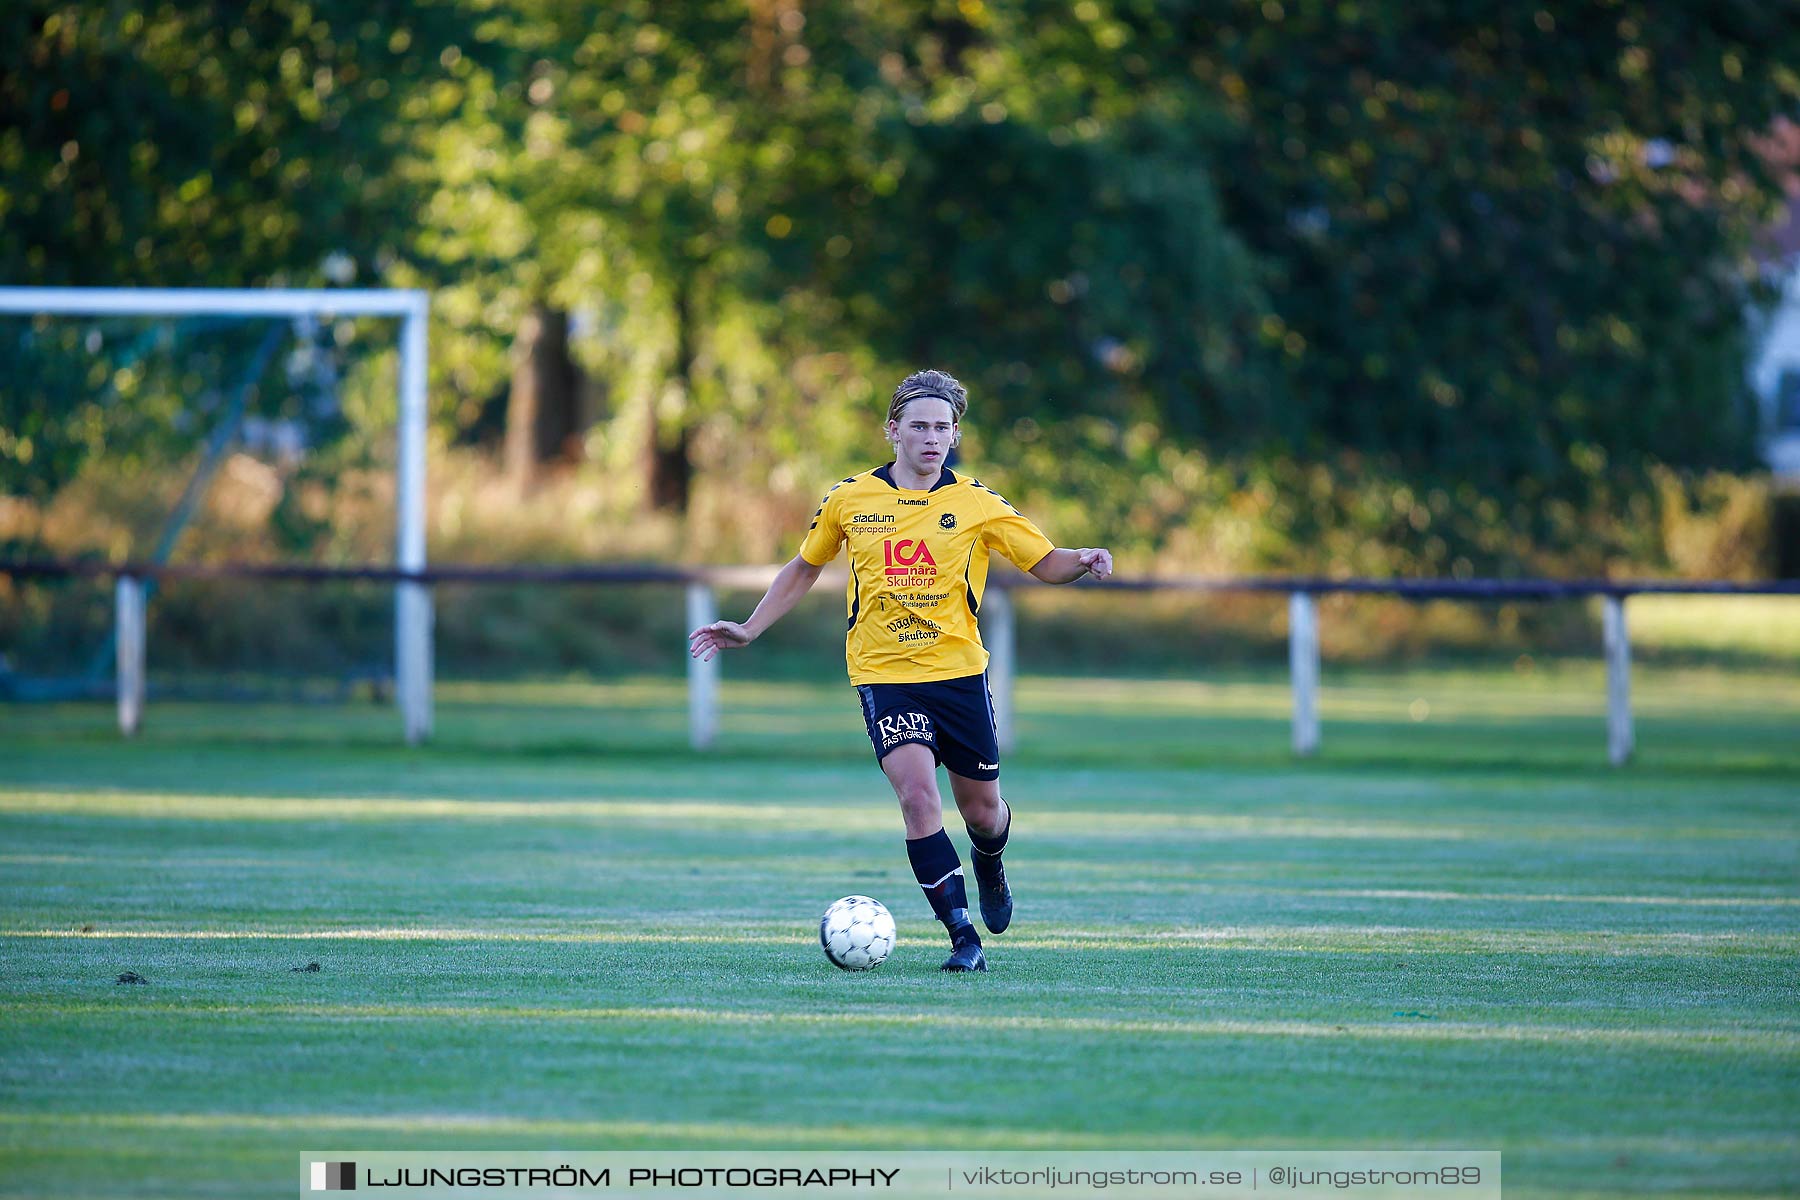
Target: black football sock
<point x="990" y="847"/>
<point x="939" y="871"/>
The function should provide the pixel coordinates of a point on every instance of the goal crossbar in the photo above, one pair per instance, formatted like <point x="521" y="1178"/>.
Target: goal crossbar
<point x="412" y="600"/>
<point x="220" y="302"/>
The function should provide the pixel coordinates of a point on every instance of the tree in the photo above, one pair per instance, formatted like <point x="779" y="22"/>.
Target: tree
<point x="1061" y="234"/>
<point x="665" y="168"/>
<point x="1504" y="235"/>
<point x="201" y="143"/>
<point x="542" y="411"/>
<point x="915" y="182"/>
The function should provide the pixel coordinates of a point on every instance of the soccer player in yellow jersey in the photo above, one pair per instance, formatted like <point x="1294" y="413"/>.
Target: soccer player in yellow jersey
<point x="920" y="537"/>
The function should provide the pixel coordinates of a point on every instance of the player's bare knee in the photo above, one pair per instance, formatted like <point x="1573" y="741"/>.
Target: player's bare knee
<point x="921" y="816"/>
<point x="921" y="797"/>
<point x="984" y="817"/>
<point x="982" y="809"/>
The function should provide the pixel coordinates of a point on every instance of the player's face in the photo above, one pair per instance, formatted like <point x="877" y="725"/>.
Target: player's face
<point x="923" y="434"/>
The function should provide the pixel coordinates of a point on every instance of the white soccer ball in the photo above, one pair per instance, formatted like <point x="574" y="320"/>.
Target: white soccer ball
<point x="857" y="933"/>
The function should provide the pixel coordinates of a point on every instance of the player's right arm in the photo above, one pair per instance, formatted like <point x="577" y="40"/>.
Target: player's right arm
<point x="791" y="583"/>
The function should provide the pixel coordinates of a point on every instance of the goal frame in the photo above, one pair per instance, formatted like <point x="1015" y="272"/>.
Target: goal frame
<point x="412" y="600"/>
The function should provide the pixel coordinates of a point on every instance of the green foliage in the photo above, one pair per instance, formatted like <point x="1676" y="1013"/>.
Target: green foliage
<point x="725" y="193"/>
<point x="210" y="143"/>
<point x="165" y="144"/>
<point x="1169" y="508"/>
<point x="1716" y="526"/>
<point x="1504" y="238"/>
<point x="1490" y="251"/>
<point x="1484" y="258"/>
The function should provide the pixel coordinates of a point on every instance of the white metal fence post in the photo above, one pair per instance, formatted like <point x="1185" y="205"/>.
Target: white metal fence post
<point x="997" y="623"/>
<point x="129" y="651"/>
<point x="1303" y="666"/>
<point x="1620" y="740"/>
<point x="703" y="677"/>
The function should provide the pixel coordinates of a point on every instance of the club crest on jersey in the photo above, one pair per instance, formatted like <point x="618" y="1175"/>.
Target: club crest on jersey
<point x="948" y="520"/>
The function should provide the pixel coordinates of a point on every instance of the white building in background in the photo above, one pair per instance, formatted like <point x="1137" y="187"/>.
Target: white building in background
<point x="1775" y="378"/>
<point x="1775" y="356"/>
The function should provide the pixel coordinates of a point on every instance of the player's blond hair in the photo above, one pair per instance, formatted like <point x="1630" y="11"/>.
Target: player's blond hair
<point x="929" y="385"/>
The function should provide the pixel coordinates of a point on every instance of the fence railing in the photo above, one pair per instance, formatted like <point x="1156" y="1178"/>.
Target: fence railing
<point x="702" y="585"/>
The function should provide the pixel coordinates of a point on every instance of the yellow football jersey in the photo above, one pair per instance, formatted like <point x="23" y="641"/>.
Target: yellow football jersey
<point x="918" y="569"/>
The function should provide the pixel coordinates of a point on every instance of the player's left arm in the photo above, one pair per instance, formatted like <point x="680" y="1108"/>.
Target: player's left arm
<point x="1013" y="535"/>
<point x="1066" y="566"/>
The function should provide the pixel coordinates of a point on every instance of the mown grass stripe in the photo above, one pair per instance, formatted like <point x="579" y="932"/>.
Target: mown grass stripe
<point x="1313" y="939"/>
<point x="1785" y="1043"/>
<point x="1091" y="824"/>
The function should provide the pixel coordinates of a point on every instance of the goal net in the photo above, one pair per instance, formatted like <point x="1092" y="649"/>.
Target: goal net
<point x="162" y="427"/>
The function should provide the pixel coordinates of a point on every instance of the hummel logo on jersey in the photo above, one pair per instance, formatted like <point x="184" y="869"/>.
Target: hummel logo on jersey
<point x="904" y="500"/>
<point x="948" y="520"/>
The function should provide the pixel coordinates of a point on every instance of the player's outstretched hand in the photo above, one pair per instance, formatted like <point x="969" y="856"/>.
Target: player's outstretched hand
<point x="708" y="640"/>
<point x="1098" y="562"/>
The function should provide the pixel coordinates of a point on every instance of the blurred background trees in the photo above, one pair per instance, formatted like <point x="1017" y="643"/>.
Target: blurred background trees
<point x="191" y="144"/>
<point x="1278" y="284"/>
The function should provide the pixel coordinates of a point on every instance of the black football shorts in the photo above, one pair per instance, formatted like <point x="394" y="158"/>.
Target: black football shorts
<point x="955" y="717"/>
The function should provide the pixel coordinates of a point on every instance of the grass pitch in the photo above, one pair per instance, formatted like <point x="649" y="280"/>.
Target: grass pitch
<point x="556" y="928"/>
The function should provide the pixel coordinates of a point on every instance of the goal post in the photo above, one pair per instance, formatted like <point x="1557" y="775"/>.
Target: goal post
<point x="412" y="601"/>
